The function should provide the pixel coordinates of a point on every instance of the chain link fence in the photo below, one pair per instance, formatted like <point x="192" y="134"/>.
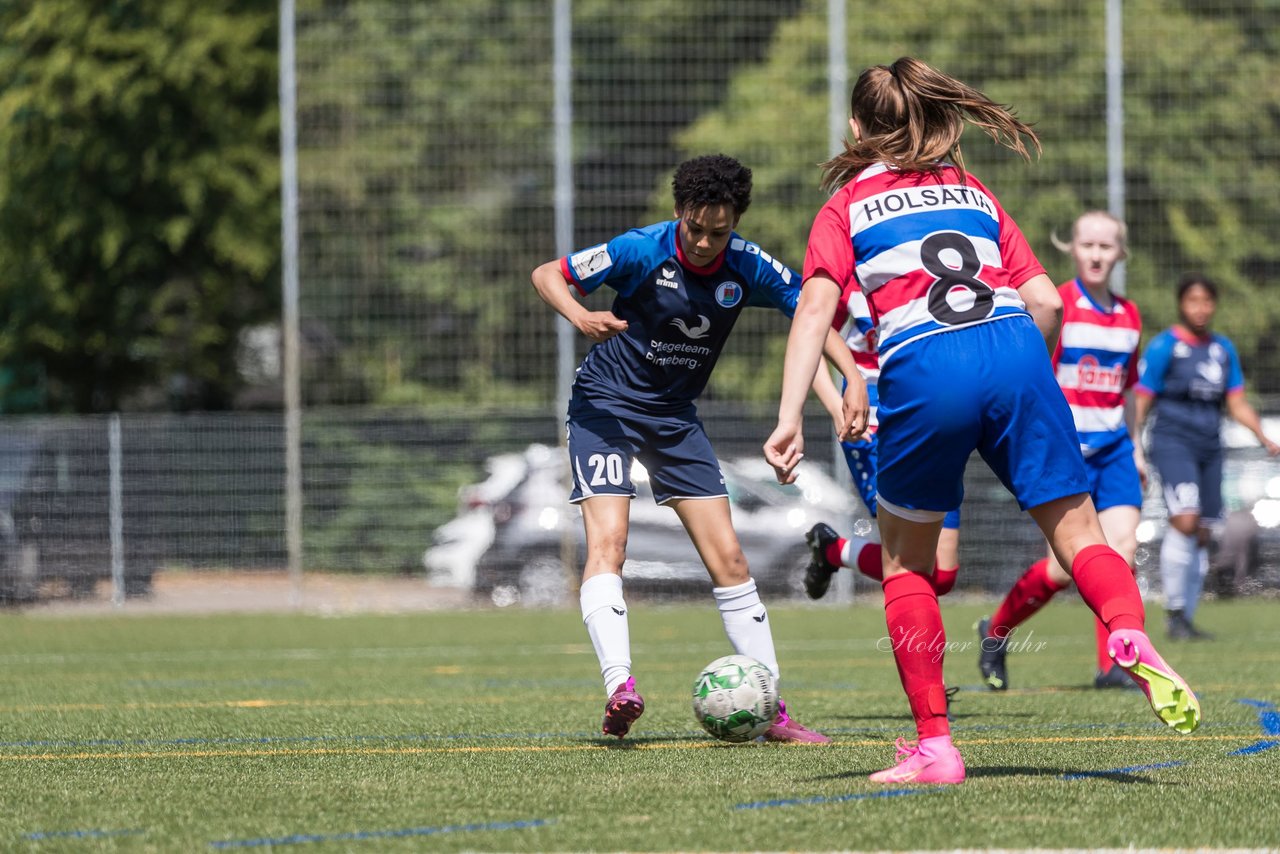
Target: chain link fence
<point x="427" y="194"/>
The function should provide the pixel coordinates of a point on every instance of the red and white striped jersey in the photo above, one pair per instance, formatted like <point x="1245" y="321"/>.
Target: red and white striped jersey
<point x="1096" y="361"/>
<point x="932" y="251"/>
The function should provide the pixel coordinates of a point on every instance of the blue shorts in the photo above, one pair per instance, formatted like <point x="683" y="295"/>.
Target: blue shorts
<point x="673" y="448"/>
<point x="1191" y="474"/>
<point x="861" y="458"/>
<point x="988" y="388"/>
<point x="1113" y="477"/>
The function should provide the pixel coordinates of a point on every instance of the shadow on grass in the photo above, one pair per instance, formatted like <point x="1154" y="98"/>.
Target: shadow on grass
<point x="631" y="743"/>
<point x="957" y="713"/>
<point x="979" y="772"/>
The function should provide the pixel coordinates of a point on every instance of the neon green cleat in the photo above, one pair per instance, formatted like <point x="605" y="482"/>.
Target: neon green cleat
<point x="1171" y="698"/>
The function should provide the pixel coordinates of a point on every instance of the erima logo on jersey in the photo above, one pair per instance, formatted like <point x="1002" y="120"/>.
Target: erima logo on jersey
<point x="699" y="331"/>
<point x="728" y="294"/>
<point x="589" y="262"/>
<point x="668" y="279"/>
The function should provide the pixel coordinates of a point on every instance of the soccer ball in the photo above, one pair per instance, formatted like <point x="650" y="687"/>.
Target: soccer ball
<point x="735" y="698"/>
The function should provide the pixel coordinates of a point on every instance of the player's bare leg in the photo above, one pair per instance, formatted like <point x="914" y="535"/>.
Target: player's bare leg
<point x="746" y="621"/>
<point x="604" y="611"/>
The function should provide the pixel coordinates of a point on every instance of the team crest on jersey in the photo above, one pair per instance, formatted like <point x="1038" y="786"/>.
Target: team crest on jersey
<point x="589" y="262"/>
<point x="728" y="294"/>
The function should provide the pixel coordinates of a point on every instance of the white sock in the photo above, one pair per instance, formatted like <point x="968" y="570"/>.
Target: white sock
<point x="1197" y="569"/>
<point x="853" y="547"/>
<point x="605" y="614"/>
<point x="1176" y="556"/>
<point x="747" y="623"/>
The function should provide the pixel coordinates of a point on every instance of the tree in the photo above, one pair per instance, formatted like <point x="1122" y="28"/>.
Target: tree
<point x="139" y="188"/>
<point x="1200" y="152"/>
<point x="426" y="175"/>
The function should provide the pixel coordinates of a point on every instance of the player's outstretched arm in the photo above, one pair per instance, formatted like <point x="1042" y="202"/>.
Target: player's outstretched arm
<point x="785" y="446"/>
<point x="554" y="289"/>
<point x="1239" y="408"/>
<point x="855" y="407"/>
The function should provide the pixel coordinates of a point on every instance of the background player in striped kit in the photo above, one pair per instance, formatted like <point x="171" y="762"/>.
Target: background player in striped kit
<point x="1188" y="374"/>
<point x="681" y="285"/>
<point x="964" y="311"/>
<point x="1096" y="364"/>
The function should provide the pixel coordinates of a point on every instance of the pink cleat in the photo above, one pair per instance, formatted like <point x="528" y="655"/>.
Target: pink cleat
<point x="916" y="767"/>
<point x="786" y="729"/>
<point x="1171" y="698"/>
<point x="622" y="708"/>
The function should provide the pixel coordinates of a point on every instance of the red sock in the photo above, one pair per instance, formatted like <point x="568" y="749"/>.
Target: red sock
<point x="871" y="561"/>
<point x="1101" y="635"/>
<point x="871" y="564"/>
<point x="1106" y="585"/>
<point x="944" y="579"/>
<point x="918" y="639"/>
<point x="835" y="552"/>
<point x="1029" y="594"/>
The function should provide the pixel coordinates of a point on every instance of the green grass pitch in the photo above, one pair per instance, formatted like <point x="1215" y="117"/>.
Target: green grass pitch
<point x="480" y="731"/>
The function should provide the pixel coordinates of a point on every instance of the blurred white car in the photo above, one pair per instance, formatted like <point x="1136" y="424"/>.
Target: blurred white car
<point x="521" y="557"/>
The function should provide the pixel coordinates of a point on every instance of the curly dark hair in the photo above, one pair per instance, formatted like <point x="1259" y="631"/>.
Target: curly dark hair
<point x="713" y="179"/>
<point x="1190" y="280"/>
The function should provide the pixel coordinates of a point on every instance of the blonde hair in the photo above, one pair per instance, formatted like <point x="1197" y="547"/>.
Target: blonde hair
<point x="911" y="117"/>
<point x="1122" y="232"/>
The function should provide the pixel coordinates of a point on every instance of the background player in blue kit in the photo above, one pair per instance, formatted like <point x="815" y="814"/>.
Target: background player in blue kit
<point x="1188" y="372"/>
<point x="829" y="551"/>
<point x="680" y="286"/>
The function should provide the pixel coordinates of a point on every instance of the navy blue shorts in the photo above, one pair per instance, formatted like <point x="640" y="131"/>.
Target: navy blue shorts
<point x="1191" y="474"/>
<point x="674" y="449"/>
<point x="861" y="459"/>
<point x="988" y="388"/>
<point x="1113" y="477"/>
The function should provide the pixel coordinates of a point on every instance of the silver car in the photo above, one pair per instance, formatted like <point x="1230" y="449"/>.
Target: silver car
<point x="536" y="546"/>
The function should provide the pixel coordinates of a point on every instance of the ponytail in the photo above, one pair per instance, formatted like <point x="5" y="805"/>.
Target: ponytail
<point x="911" y="116"/>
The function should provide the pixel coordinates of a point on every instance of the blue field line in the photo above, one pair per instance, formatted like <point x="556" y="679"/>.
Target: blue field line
<point x="1256" y="747"/>
<point x="833" y="799"/>
<point x="1268" y="715"/>
<point x="1130" y="769"/>
<point x="216" y="683"/>
<point x="363" y="836"/>
<point x="1268" y="721"/>
<point x="44" y="835"/>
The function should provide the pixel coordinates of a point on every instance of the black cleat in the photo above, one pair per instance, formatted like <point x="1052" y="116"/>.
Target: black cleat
<point x="1176" y="626"/>
<point x="991" y="653"/>
<point x="1113" y="678"/>
<point x="1193" y="631"/>
<point x="818" y="574"/>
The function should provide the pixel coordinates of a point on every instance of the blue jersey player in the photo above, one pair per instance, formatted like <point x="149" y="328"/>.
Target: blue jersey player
<point x="1187" y="374"/>
<point x="680" y="286"/>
